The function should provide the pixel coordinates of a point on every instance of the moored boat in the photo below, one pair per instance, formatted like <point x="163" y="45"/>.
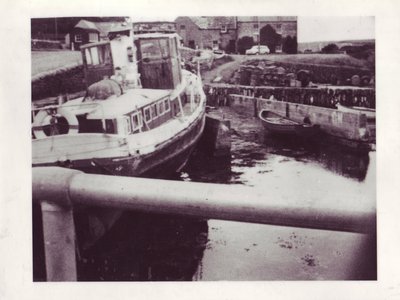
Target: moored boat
<point x="282" y="126"/>
<point x="125" y="129"/>
<point x="142" y="115"/>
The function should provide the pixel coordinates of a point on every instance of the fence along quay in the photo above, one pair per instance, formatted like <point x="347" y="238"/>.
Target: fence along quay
<point x="323" y="96"/>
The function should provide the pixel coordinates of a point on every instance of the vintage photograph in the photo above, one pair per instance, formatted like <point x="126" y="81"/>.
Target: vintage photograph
<point x="203" y="148"/>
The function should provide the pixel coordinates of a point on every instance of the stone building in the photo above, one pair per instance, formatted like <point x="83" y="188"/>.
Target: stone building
<point x="253" y="26"/>
<point x="208" y="32"/>
<point x="90" y="32"/>
<point x="224" y="32"/>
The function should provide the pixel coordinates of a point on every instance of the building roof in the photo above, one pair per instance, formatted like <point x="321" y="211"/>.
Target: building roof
<point x="252" y="19"/>
<point x="214" y="22"/>
<point x="83" y="24"/>
<point x="104" y="27"/>
<point x="107" y="27"/>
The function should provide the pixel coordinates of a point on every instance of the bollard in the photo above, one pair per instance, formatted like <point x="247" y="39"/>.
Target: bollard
<point x="59" y="242"/>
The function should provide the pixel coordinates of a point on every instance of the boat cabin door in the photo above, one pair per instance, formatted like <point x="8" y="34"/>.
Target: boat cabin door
<point x="97" y="61"/>
<point x="159" y="61"/>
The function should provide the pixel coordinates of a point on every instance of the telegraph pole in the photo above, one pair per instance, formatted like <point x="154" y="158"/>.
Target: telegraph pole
<point x="259" y="33"/>
<point x="56" y="30"/>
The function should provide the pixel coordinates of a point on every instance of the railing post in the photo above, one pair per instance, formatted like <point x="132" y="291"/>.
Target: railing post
<point x="50" y="186"/>
<point x="59" y="242"/>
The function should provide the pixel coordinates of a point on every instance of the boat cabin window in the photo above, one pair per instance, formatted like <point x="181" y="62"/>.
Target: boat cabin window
<point x="160" y="107"/>
<point x="124" y="125"/>
<point x="154" y="110"/>
<point x="89" y="126"/>
<point x="147" y="114"/>
<point x="164" y="48"/>
<point x="99" y="55"/>
<point x="127" y="125"/>
<point x="110" y="128"/>
<point x="166" y="104"/>
<point x="137" y="122"/>
<point x="150" y="49"/>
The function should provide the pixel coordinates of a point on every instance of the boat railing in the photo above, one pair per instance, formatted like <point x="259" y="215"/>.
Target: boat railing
<point x="54" y="107"/>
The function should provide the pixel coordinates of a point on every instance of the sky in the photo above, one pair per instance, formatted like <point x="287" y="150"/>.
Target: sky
<point x="335" y="28"/>
<point x="312" y="29"/>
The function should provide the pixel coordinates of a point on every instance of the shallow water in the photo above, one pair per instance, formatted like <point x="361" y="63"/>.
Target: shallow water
<point x="286" y="169"/>
<point x="240" y="251"/>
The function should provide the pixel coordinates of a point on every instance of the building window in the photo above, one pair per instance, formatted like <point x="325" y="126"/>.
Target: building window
<point x="215" y="44"/>
<point x="255" y="26"/>
<point x="224" y="28"/>
<point x="182" y="27"/>
<point x="93" y="37"/>
<point x="78" y="38"/>
<point x="192" y="44"/>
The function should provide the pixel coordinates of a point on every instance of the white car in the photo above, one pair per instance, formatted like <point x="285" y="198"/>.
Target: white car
<point x="262" y="49"/>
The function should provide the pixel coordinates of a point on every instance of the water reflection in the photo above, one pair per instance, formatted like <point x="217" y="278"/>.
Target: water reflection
<point x="332" y="157"/>
<point x="146" y="247"/>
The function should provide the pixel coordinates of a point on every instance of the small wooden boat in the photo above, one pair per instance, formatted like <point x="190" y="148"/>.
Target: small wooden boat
<point x="280" y="125"/>
<point x="369" y="112"/>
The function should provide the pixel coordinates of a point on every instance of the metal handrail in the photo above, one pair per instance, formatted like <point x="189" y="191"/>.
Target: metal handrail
<point x="58" y="189"/>
<point x="205" y="200"/>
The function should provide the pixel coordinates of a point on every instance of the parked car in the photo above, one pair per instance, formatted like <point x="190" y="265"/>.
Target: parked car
<point x="218" y="53"/>
<point x="262" y="49"/>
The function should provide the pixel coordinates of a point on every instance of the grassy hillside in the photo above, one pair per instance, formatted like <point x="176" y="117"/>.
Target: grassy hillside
<point x="43" y="61"/>
<point x="330" y="60"/>
<point x="316" y="59"/>
<point x="317" y="46"/>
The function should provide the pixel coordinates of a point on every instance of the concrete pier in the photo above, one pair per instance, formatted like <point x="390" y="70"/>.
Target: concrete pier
<point x="216" y="138"/>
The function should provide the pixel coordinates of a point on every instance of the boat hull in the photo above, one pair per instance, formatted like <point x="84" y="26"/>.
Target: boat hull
<point x="167" y="159"/>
